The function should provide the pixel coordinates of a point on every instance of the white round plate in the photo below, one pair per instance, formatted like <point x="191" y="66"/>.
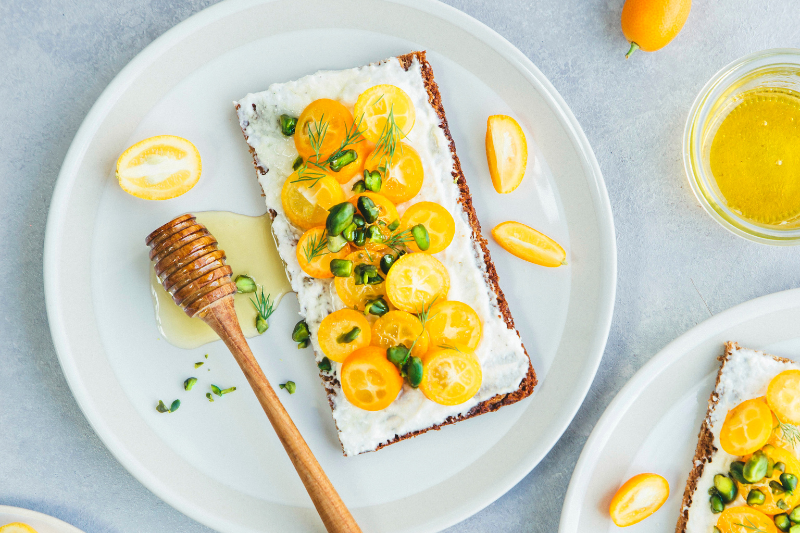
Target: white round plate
<point x="42" y="523"/>
<point x="653" y="423"/>
<point x="221" y="463"/>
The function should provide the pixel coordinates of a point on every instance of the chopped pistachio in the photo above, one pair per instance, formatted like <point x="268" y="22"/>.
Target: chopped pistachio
<point x="289" y="386"/>
<point x="216" y="390"/>
<point x="175" y="405"/>
<point x="161" y="408"/>
<point x="324" y="365"/>
<point x="189" y="383"/>
<point x="245" y="284"/>
<point x="210" y="398"/>
<point x="199" y="364"/>
<point x="226" y="391"/>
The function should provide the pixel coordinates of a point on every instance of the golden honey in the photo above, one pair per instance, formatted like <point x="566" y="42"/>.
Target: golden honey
<point x="755" y="156"/>
<point x="249" y="249"/>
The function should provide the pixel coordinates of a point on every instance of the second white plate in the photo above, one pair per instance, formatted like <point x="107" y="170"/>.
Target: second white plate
<point x="652" y="424"/>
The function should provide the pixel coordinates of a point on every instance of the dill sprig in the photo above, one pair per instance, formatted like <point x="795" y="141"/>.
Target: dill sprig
<point x="352" y="136"/>
<point x="398" y="240"/>
<point x="789" y="433"/>
<point x="751" y="526"/>
<point x="423" y="317"/>
<point x="450" y="347"/>
<point x="264" y="307"/>
<point x="312" y="170"/>
<point x="316" y="246"/>
<point x="388" y="141"/>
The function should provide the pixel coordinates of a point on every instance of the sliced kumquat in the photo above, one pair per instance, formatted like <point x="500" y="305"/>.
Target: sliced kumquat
<point x="506" y="152"/>
<point x="336" y="330"/>
<point x="454" y="323"/>
<point x="783" y="438"/>
<point x="321" y="128"/>
<point x="357" y="296"/>
<point x="771" y="497"/>
<point x="369" y="380"/>
<point x="401" y="172"/>
<point x="745" y="520"/>
<point x="159" y="168"/>
<point x="388" y="212"/>
<point x="363" y="149"/>
<point x="385" y="110"/>
<point x="639" y="497"/>
<point x="417" y="281"/>
<point x="451" y="375"/>
<point x="783" y="396"/>
<point x="747" y="427"/>
<point x="399" y="327"/>
<point x="528" y="244"/>
<point x="313" y="254"/>
<point x="436" y="219"/>
<point x="306" y="202"/>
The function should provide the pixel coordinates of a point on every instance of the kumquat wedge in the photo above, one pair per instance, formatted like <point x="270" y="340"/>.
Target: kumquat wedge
<point x="529" y="244"/>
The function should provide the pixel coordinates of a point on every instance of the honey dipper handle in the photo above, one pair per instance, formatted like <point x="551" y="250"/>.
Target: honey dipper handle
<point x="221" y="317"/>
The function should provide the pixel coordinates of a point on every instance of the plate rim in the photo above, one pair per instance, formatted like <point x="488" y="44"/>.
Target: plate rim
<point x="633" y="388"/>
<point x="592" y="174"/>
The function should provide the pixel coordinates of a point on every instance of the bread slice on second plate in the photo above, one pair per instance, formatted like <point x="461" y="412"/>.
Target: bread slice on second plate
<point x="743" y="375"/>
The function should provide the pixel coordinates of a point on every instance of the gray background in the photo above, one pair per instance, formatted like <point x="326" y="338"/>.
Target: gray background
<point x="676" y="265"/>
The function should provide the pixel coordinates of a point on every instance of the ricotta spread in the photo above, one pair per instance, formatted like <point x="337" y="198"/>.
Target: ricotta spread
<point x="745" y="376"/>
<point x="503" y="360"/>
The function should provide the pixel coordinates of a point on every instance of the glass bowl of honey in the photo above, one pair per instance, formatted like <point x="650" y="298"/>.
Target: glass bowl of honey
<point x="741" y="147"/>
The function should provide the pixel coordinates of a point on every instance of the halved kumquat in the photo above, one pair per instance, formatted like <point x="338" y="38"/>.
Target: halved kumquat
<point x="159" y="168"/>
<point x="454" y="323"/>
<point x="17" y="527"/>
<point x="747" y="427"/>
<point x="743" y="519"/>
<point x="639" y="497"/>
<point x="451" y="375"/>
<point x="528" y="244"/>
<point x="313" y="254"/>
<point x="783" y="396"/>
<point x="369" y="380"/>
<point x="322" y="126"/>
<point x="436" y="219"/>
<point x="306" y="202"/>
<point x="337" y="337"/>
<point x="381" y="104"/>
<point x="771" y="497"/>
<point x="399" y="327"/>
<point x="416" y="281"/>
<point x="506" y="152"/>
<point x="357" y="296"/>
<point x="401" y="172"/>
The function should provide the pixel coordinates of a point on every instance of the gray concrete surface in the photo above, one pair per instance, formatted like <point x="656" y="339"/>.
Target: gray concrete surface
<point x="676" y="265"/>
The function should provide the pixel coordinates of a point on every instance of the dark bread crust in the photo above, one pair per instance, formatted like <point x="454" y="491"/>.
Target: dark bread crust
<point x="528" y="383"/>
<point x="705" y="440"/>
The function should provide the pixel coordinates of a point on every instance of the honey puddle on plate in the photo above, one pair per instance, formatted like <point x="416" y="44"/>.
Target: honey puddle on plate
<point x="755" y="156"/>
<point x="249" y="249"/>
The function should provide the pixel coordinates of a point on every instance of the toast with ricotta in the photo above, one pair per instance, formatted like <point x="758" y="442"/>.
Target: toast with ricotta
<point x="743" y="375"/>
<point x="508" y="375"/>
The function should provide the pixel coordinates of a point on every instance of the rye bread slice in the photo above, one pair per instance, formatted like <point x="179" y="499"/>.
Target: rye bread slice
<point x="528" y="383"/>
<point x="705" y="441"/>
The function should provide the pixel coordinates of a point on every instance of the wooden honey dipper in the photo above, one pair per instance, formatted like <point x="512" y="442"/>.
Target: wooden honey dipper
<point x="192" y="269"/>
